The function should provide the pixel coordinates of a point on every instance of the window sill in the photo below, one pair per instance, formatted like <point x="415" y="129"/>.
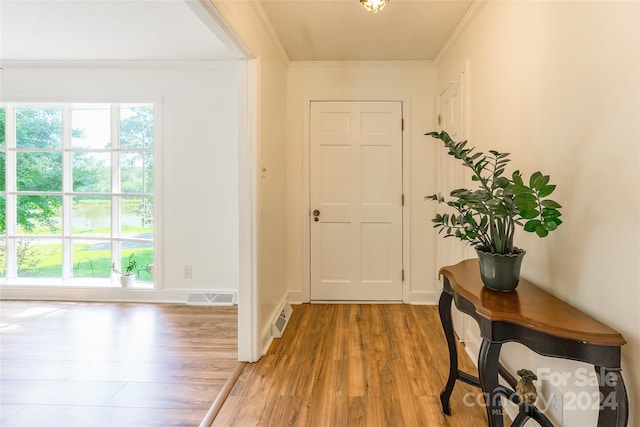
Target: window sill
<point x="83" y="283"/>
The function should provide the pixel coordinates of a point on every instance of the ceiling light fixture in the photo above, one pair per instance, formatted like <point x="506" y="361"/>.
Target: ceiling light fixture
<point x="374" y="5"/>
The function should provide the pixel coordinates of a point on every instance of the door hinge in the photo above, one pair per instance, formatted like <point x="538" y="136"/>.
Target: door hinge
<point x="439" y="120"/>
<point x="402" y="123"/>
<point x="403" y="200"/>
<point x="403" y="275"/>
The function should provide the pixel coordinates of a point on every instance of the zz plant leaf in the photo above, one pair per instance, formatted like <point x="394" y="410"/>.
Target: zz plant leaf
<point x="487" y="217"/>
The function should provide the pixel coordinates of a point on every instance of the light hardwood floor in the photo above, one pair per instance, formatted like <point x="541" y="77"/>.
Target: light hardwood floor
<point x="118" y="365"/>
<point x="353" y="365"/>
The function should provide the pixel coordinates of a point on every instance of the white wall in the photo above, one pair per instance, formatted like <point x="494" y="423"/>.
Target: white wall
<point x="413" y="82"/>
<point x="557" y="84"/>
<point x="198" y="216"/>
<point x="248" y="23"/>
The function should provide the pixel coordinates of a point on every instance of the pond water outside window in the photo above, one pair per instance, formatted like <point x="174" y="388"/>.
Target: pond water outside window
<point x="79" y="196"/>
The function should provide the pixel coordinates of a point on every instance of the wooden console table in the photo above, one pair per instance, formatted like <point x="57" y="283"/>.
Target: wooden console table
<point x="540" y="321"/>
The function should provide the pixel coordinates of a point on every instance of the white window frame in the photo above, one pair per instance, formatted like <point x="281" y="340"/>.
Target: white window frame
<point x="67" y="238"/>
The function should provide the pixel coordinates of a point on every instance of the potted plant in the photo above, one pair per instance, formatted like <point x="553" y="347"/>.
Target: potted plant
<point x="487" y="217"/>
<point x="128" y="277"/>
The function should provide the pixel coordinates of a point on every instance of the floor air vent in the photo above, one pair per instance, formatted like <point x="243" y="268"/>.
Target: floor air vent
<point x="210" y="298"/>
<point x="278" y="325"/>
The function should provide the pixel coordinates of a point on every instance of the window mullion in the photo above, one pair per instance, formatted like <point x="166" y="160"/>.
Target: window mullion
<point x="115" y="185"/>
<point x="67" y="184"/>
<point x="11" y="214"/>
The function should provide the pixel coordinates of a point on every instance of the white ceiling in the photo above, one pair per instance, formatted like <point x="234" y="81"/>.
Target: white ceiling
<point x="170" y="30"/>
<point x="342" y="30"/>
<point x="105" y="30"/>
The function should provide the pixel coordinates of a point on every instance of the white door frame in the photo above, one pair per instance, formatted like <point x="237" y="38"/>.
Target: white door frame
<point x="306" y="180"/>
<point x="249" y="342"/>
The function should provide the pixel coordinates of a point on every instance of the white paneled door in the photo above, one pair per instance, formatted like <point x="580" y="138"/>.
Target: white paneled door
<point x="356" y="201"/>
<point x="450" y="175"/>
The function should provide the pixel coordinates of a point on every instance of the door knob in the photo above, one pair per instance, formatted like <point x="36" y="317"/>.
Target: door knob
<point x="316" y="212"/>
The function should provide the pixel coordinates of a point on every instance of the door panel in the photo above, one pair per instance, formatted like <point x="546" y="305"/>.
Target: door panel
<point x="356" y="187"/>
<point x="376" y="241"/>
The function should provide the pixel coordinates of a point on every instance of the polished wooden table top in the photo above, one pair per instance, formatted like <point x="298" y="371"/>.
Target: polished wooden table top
<point x="529" y="306"/>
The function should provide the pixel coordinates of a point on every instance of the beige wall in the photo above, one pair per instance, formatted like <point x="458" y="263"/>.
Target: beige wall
<point x="557" y="85"/>
<point x="413" y="82"/>
<point x="246" y="21"/>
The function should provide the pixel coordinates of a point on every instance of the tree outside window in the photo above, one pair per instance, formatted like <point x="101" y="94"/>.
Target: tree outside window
<point x="69" y="175"/>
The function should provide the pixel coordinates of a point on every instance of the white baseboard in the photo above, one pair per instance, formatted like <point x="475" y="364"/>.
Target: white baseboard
<point x="423" y="297"/>
<point x="116" y="294"/>
<point x="266" y="337"/>
<point x="472" y="347"/>
<point x="297" y="298"/>
<point x="266" y="340"/>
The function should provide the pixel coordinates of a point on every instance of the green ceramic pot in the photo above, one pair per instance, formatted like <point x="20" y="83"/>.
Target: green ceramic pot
<point x="500" y="272"/>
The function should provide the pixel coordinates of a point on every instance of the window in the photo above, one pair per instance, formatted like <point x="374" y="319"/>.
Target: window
<point x="76" y="191"/>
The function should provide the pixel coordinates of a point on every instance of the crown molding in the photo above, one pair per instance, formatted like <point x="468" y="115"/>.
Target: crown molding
<point x="18" y="64"/>
<point x="261" y="13"/>
<point x="457" y="32"/>
<point x="214" y="19"/>
<point x="341" y="64"/>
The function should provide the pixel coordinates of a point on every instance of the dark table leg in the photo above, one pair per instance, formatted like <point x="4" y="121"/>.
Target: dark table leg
<point x="520" y="420"/>
<point x="444" y="308"/>
<point x="614" y="404"/>
<point x="528" y="412"/>
<point x="488" y="371"/>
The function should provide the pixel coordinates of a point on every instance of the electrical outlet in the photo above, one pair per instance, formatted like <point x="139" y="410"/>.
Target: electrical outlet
<point x="552" y="402"/>
<point x="188" y="273"/>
